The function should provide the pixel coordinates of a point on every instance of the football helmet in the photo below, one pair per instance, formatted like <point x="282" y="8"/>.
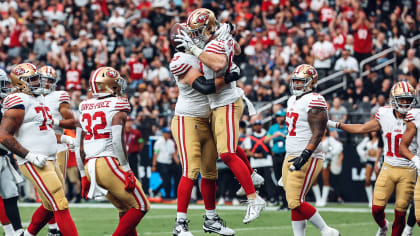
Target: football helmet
<point x="106" y="81"/>
<point x="402" y="90"/>
<point x="48" y="78"/>
<point x="25" y="78"/>
<point x="201" y="25"/>
<point x="5" y="84"/>
<point x="308" y="75"/>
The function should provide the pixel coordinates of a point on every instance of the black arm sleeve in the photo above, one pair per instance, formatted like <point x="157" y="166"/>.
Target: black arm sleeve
<point x="204" y="86"/>
<point x="230" y="77"/>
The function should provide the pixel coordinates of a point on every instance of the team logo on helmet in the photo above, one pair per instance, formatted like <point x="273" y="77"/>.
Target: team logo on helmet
<point x="112" y="74"/>
<point x="19" y="71"/>
<point x="311" y="71"/>
<point x="203" y="17"/>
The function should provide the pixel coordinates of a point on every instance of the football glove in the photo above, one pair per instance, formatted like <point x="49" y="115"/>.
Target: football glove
<point x="185" y="41"/>
<point x="299" y="161"/>
<point x="233" y="75"/>
<point x="223" y="33"/>
<point x="36" y="159"/>
<point x="85" y="187"/>
<point x="130" y="181"/>
<point x="68" y="140"/>
<point x="416" y="160"/>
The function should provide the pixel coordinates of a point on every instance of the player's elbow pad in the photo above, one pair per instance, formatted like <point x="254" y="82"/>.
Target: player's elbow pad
<point x="204" y="86"/>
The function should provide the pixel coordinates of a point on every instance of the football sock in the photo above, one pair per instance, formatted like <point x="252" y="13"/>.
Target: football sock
<point x="26" y="233"/>
<point x="185" y="187"/>
<point x="12" y="212"/>
<point x="129" y="222"/>
<point x="181" y="216"/>
<point x="411" y="220"/>
<point x="211" y="213"/>
<point x="306" y="210"/>
<point x="3" y="216"/>
<point x="399" y="223"/>
<point x="237" y="167"/>
<point x="368" y="190"/>
<point x="8" y="230"/>
<point x="325" y="192"/>
<point x="39" y="219"/>
<point x="378" y="213"/>
<point x="317" y="193"/>
<point x="65" y="222"/>
<point x="318" y="221"/>
<point x="241" y="154"/>
<point x="208" y="191"/>
<point x="299" y="227"/>
<point x="133" y="232"/>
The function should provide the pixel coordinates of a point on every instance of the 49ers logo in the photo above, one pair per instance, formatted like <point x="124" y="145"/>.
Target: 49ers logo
<point x="19" y="71"/>
<point x="203" y="17"/>
<point x="310" y="71"/>
<point x="112" y="74"/>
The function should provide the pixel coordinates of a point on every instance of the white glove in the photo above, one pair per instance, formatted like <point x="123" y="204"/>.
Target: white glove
<point x="186" y="42"/>
<point x="223" y="33"/>
<point x="332" y="124"/>
<point x="416" y="160"/>
<point x="36" y="159"/>
<point x="235" y="69"/>
<point x="56" y="122"/>
<point x="68" y="140"/>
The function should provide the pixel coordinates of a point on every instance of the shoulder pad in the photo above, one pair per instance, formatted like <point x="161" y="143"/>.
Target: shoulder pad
<point x="13" y="100"/>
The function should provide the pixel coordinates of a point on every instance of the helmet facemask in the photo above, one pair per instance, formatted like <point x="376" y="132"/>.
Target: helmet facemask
<point x="301" y="88"/>
<point x="403" y="103"/>
<point x="33" y="83"/>
<point x="49" y="84"/>
<point x="123" y="85"/>
<point x="198" y="36"/>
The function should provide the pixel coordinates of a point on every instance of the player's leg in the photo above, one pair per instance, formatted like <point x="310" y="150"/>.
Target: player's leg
<point x="4" y="220"/>
<point x="61" y="163"/>
<point x="411" y="221"/>
<point x="74" y="179"/>
<point x="403" y="195"/>
<point x="383" y="190"/>
<point x="50" y="187"/>
<point x="256" y="178"/>
<point x="417" y="201"/>
<point x="368" y="183"/>
<point x="326" y="180"/>
<point x="134" y="205"/>
<point x="186" y="132"/>
<point x="297" y="184"/>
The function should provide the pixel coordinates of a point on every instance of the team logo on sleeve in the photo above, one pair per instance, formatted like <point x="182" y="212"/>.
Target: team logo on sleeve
<point x="19" y="71"/>
<point x="112" y="74"/>
<point x="203" y="17"/>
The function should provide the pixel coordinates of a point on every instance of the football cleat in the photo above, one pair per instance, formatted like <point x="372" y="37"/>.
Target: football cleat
<point x="181" y="228"/>
<point x="408" y="231"/>
<point x="255" y="206"/>
<point x="217" y="225"/>
<point x="330" y="232"/>
<point x="19" y="232"/>
<point x="54" y="232"/>
<point x="257" y="180"/>
<point x="382" y="231"/>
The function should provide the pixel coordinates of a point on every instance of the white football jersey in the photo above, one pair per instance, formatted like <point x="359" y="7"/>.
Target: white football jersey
<point x="229" y="93"/>
<point x="298" y="131"/>
<point x="53" y="101"/>
<point x="190" y="102"/>
<point x="96" y="120"/>
<point x="392" y="131"/>
<point x="414" y="116"/>
<point x="36" y="133"/>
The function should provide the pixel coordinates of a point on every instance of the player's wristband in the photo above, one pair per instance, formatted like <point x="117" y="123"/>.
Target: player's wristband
<point x="56" y="122"/>
<point x="333" y="124"/>
<point x="196" y="51"/>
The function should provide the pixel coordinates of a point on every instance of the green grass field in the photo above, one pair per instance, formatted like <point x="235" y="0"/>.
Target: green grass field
<point x="101" y="219"/>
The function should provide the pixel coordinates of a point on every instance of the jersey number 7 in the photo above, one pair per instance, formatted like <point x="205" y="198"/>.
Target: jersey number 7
<point x="294" y="117"/>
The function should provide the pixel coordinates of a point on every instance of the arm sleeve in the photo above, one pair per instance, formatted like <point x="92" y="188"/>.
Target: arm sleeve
<point x="118" y="146"/>
<point x="13" y="101"/>
<point x="122" y="105"/>
<point x="79" y="161"/>
<point x="204" y="86"/>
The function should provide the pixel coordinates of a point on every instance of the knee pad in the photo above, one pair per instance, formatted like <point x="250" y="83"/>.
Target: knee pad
<point x="227" y="157"/>
<point x="401" y="205"/>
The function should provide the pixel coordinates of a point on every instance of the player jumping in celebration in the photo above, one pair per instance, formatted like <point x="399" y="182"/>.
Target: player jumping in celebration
<point x="59" y="104"/>
<point x="26" y="130"/>
<point x="396" y="172"/>
<point x="100" y="145"/>
<point x="306" y="120"/>
<point x="216" y="58"/>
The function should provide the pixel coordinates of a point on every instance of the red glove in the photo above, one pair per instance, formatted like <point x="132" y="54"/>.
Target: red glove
<point x="85" y="187"/>
<point x="130" y="181"/>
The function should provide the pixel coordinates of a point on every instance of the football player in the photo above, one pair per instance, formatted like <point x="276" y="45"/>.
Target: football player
<point x="216" y="58"/>
<point x="8" y="176"/>
<point x="59" y="104"/>
<point x="100" y="145"/>
<point x="306" y="120"/>
<point x="409" y="137"/>
<point x="26" y="130"/>
<point x="396" y="172"/>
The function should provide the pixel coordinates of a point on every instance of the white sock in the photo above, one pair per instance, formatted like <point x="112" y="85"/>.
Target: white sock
<point x="325" y="192"/>
<point x="299" y="227"/>
<point x="8" y="230"/>
<point x="181" y="216"/>
<point x="211" y="213"/>
<point x="53" y="226"/>
<point x="408" y="228"/>
<point x="27" y="233"/>
<point x="317" y="193"/>
<point x="318" y="222"/>
<point x="368" y="190"/>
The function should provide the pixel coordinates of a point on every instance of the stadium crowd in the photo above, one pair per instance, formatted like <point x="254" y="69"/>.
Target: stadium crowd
<point x="78" y="36"/>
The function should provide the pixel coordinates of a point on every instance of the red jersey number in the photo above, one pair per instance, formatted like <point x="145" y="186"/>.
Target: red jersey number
<point x="397" y="140"/>
<point x="294" y="117"/>
<point x="46" y="114"/>
<point x="93" y="132"/>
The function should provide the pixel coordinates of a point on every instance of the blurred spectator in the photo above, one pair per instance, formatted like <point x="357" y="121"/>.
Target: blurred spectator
<point x="348" y="64"/>
<point x="362" y="36"/>
<point x="337" y="111"/>
<point x="323" y="51"/>
<point x="136" y="65"/>
<point x="410" y="59"/>
<point x="135" y="143"/>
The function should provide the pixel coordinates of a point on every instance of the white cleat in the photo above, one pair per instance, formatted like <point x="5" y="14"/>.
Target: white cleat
<point x="257" y="180"/>
<point x="384" y="230"/>
<point x="19" y="232"/>
<point x="330" y="232"/>
<point x="217" y="225"/>
<point x="408" y="231"/>
<point x="255" y="206"/>
<point x="320" y="203"/>
<point x="181" y="228"/>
